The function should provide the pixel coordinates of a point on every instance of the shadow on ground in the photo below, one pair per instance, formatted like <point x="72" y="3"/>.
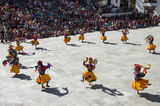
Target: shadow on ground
<point x="151" y="97"/>
<point x="24" y="67"/>
<point x="26" y="54"/>
<point x="156" y="53"/>
<point x="134" y="44"/>
<point x="42" y="49"/>
<point x="73" y="45"/>
<point x="112" y="92"/>
<point x="110" y="43"/>
<point x="55" y="91"/>
<point x="22" y="77"/>
<point x="88" y="42"/>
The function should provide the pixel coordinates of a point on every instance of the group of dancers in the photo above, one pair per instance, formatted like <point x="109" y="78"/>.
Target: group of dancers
<point x="13" y="60"/>
<point x="149" y="39"/>
<point x="19" y="48"/>
<point x="138" y="83"/>
<point x="43" y="78"/>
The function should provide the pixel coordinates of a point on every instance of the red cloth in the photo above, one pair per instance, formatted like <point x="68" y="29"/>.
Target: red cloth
<point x="138" y="65"/>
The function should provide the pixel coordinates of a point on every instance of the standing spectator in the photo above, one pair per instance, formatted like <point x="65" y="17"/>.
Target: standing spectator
<point x="2" y="36"/>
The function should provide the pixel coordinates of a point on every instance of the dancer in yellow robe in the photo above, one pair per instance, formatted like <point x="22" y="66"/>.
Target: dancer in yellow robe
<point x="88" y="75"/>
<point x="151" y="46"/>
<point x="19" y="47"/>
<point x="139" y="83"/>
<point x="103" y="37"/>
<point x="11" y="53"/>
<point x="124" y="38"/>
<point x="43" y="78"/>
<point x="15" y="64"/>
<point x="81" y="36"/>
<point x="66" y="37"/>
<point x="35" y="41"/>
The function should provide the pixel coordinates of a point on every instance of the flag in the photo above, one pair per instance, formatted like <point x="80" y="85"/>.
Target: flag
<point x="4" y="62"/>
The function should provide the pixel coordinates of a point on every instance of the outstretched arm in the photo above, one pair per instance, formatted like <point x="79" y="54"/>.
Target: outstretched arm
<point x="36" y="68"/>
<point x="94" y="66"/>
<point x="145" y="70"/>
<point x="48" y="66"/>
<point x="84" y="62"/>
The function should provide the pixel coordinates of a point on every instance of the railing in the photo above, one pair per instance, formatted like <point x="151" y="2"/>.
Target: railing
<point x="146" y="3"/>
<point x="116" y="14"/>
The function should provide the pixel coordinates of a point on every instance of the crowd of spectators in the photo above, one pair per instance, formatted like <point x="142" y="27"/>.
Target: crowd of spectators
<point x="45" y="18"/>
<point x="131" y="21"/>
<point x="50" y="18"/>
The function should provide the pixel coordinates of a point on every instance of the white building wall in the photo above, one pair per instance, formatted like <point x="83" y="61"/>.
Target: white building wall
<point x="140" y="6"/>
<point x="117" y="4"/>
<point x="106" y="2"/>
<point x="113" y="2"/>
<point x="157" y="10"/>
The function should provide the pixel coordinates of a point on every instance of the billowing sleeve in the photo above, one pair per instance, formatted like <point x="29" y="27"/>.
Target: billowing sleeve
<point x="49" y="65"/>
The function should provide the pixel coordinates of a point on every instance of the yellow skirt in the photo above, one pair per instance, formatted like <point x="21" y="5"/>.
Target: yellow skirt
<point x="15" y="69"/>
<point x="89" y="76"/>
<point x="19" y="48"/>
<point x="34" y="42"/>
<point x="124" y="38"/>
<point x="151" y="47"/>
<point x="140" y="85"/>
<point x="41" y="79"/>
<point x="81" y="37"/>
<point x="67" y="39"/>
<point x="103" y="38"/>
